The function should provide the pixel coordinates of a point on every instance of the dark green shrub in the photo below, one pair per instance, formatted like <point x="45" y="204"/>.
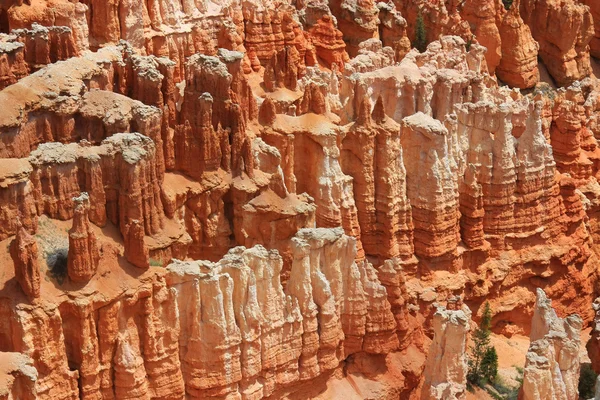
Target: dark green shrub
<point x="56" y="261"/>
<point x="587" y="381"/>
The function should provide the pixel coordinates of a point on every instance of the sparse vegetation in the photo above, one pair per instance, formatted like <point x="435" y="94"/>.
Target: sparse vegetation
<point x="506" y="391"/>
<point x="56" y="261"/>
<point x="507" y="4"/>
<point x="420" y="42"/>
<point x="155" y="263"/>
<point x="587" y="381"/>
<point x="483" y="360"/>
<point x="545" y="90"/>
<point x="469" y="43"/>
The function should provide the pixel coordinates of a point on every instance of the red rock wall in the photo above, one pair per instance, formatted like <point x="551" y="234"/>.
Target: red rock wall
<point x="564" y="31"/>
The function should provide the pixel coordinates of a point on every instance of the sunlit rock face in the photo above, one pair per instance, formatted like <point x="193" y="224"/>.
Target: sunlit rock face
<point x="274" y="199"/>
<point x="566" y="53"/>
<point x="552" y="365"/>
<point x="446" y="368"/>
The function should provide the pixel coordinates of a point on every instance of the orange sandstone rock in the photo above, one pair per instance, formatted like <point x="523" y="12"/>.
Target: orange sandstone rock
<point x="13" y="65"/>
<point x="52" y="13"/>
<point x="46" y="45"/>
<point x="17" y="377"/>
<point x="329" y="43"/>
<point x="393" y="29"/>
<point x="24" y="253"/>
<point x="136" y="251"/>
<point x="83" y="249"/>
<point x="16" y="195"/>
<point x="313" y="138"/>
<point x="446" y="368"/>
<point x="518" y="65"/>
<point x="435" y="214"/>
<point x="373" y="156"/>
<point x="576" y="151"/>
<point x="40" y="336"/>
<point x="595" y="42"/>
<point x="564" y="30"/>
<point x="592" y="345"/>
<point x="482" y="16"/>
<point x="552" y="364"/>
<point x="325" y="224"/>
<point x="440" y="18"/>
<point x="358" y="21"/>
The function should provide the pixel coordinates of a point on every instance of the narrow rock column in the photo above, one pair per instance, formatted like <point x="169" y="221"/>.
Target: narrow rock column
<point x="431" y="185"/>
<point x="136" y="251"/>
<point x="446" y="368"/>
<point x="519" y="64"/>
<point x="83" y="249"/>
<point x="267" y="112"/>
<point x="552" y="362"/>
<point x="24" y="253"/>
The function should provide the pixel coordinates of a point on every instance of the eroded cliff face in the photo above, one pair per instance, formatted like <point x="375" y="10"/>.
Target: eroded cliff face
<point x="17" y="377"/>
<point x="563" y="31"/>
<point x="552" y="366"/>
<point x="518" y="66"/>
<point x="445" y="375"/>
<point x="265" y="199"/>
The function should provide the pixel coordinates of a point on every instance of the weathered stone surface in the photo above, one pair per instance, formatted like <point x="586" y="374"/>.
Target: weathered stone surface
<point x="16" y="195"/>
<point x="552" y="366"/>
<point x="83" y="248"/>
<point x="120" y="179"/>
<point x="482" y="17"/>
<point x="12" y="61"/>
<point x="23" y="15"/>
<point x="329" y="43"/>
<point x="564" y="30"/>
<point x="372" y="182"/>
<point x="17" y="377"/>
<point x="519" y="65"/>
<point x="372" y="154"/>
<point x="430" y="186"/>
<point x="593" y="345"/>
<point x="595" y="42"/>
<point x="446" y="368"/>
<point x="393" y="29"/>
<point x="24" y="253"/>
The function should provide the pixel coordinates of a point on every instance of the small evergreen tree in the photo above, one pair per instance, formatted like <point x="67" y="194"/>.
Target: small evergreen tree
<point x="420" y="42"/>
<point x="489" y="365"/>
<point x="507" y="3"/>
<point x="483" y="361"/>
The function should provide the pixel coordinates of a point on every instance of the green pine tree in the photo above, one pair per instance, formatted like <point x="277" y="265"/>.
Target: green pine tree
<point x="507" y="3"/>
<point x="480" y="348"/>
<point x="489" y="365"/>
<point x="420" y="42"/>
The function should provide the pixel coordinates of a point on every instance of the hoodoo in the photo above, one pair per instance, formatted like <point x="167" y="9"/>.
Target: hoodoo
<point x="83" y="249"/>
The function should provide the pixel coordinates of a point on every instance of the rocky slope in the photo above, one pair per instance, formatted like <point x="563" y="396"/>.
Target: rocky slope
<point x="273" y="199"/>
